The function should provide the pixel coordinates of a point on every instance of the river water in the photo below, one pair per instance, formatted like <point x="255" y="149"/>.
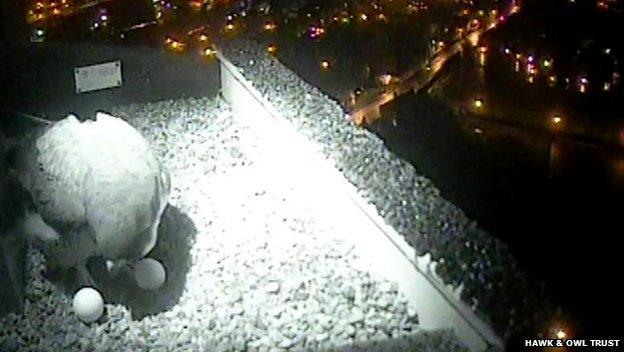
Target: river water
<point x="555" y="202"/>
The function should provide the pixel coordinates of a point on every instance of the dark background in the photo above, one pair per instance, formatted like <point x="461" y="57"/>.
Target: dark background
<point x="42" y="83"/>
<point x="556" y="202"/>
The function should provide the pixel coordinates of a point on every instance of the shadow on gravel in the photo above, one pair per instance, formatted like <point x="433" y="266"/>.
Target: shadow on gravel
<point x="176" y="235"/>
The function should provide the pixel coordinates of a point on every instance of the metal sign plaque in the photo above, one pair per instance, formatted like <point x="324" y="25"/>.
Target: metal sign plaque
<point x="97" y="77"/>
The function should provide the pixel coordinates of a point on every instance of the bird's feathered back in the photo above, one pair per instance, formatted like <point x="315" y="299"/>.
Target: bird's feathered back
<point x="101" y="173"/>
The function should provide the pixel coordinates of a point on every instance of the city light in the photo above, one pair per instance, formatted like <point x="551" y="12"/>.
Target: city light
<point x="209" y="52"/>
<point x="478" y="103"/>
<point x="269" y="26"/>
<point x="482" y="51"/>
<point x="316" y="32"/>
<point x="174" y="44"/>
<point x="325" y="64"/>
<point x="385" y="79"/>
<point x="272" y="48"/>
<point x="583" y="85"/>
<point x="552" y="79"/>
<point x="556" y="119"/>
<point x="196" y="4"/>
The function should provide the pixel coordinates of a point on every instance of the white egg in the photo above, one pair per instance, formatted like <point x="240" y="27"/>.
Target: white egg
<point x="88" y="304"/>
<point x="149" y="274"/>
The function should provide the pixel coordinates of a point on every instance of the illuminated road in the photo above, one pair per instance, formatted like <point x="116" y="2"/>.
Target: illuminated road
<point x="415" y="79"/>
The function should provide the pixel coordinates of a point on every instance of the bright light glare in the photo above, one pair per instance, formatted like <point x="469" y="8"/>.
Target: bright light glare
<point x="209" y="51"/>
<point x="385" y="79"/>
<point x="478" y="103"/>
<point x="269" y="26"/>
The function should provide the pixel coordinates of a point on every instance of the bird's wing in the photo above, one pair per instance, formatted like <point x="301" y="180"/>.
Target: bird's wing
<point x="54" y="173"/>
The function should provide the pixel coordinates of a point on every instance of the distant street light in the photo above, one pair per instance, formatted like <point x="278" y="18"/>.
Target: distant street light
<point x="552" y="79"/>
<point x="478" y="103"/>
<point x="556" y="122"/>
<point x="269" y="26"/>
<point x="209" y="52"/>
<point x="583" y="85"/>
<point x="385" y="79"/>
<point x="272" y="48"/>
<point x="556" y="119"/>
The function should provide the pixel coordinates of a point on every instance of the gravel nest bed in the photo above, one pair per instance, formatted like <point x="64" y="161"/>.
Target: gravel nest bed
<point x="249" y="268"/>
<point x="465" y="257"/>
